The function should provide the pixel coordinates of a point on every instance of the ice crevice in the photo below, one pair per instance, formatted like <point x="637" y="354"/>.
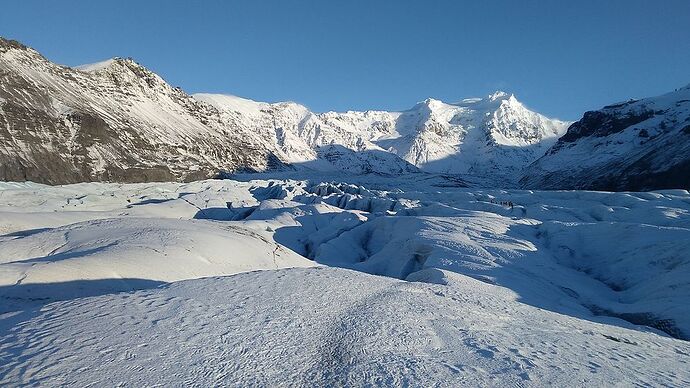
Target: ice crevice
<point x="551" y="253"/>
<point x="583" y="254"/>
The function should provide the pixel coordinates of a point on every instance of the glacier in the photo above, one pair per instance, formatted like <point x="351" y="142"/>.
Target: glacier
<point x="367" y="281"/>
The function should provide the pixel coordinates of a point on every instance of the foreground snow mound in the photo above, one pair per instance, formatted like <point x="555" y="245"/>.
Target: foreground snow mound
<point x="326" y="327"/>
<point x="109" y="255"/>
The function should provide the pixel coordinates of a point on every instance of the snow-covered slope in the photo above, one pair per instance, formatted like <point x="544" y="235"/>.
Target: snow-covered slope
<point x="495" y="136"/>
<point x="304" y="140"/>
<point x="118" y="121"/>
<point x="471" y="290"/>
<point x="327" y="327"/>
<point x="121" y="253"/>
<point x="114" y="121"/>
<point x="635" y="145"/>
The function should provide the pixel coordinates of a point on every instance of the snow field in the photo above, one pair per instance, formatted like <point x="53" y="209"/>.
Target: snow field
<point x="561" y="288"/>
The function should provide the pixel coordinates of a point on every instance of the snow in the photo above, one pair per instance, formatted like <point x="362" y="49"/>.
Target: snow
<point x="115" y="250"/>
<point x="93" y="67"/>
<point x="231" y="103"/>
<point x="148" y="123"/>
<point x="645" y="147"/>
<point x="328" y="327"/>
<point x="399" y="283"/>
<point x="433" y="135"/>
<point x="153" y="126"/>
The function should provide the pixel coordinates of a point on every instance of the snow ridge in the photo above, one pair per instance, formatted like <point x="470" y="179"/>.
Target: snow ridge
<point x="494" y="136"/>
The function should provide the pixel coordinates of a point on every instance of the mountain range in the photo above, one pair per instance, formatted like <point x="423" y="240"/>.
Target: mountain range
<point x="118" y="121"/>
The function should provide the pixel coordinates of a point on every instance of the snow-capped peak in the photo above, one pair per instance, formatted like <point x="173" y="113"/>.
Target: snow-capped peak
<point x="499" y="95"/>
<point x="432" y="102"/>
<point x="631" y="145"/>
<point x="139" y="108"/>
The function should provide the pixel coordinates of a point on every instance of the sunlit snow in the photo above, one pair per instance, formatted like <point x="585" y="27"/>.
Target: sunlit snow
<point x="401" y="282"/>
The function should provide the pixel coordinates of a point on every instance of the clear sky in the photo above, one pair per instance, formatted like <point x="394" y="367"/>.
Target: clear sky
<point x="558" y="57"/>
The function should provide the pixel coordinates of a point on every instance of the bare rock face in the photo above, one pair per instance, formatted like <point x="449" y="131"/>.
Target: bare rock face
<point x="635" y="145"/>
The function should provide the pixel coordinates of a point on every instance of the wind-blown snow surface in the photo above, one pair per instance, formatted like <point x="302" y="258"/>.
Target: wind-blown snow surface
<point x="561" y="288"/>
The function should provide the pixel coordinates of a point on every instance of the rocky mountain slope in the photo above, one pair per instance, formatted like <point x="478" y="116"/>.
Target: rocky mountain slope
<point x="635" y="145"/>
<point x="117" y="121"/>
<point x="112" y="121"/>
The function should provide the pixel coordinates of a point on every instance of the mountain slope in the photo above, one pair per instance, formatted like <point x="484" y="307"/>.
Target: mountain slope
<point x="494" y="136"/>
<point x="117" y="121"/>
<point x="303" y="139"/>
<point x="635" y="145"/>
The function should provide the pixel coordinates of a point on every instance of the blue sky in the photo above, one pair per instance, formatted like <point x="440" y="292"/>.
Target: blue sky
<point x="558" y="57"/>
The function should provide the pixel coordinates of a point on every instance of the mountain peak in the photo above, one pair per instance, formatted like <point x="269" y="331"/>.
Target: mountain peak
<point x="431" y="101"/>
<point x="114" y="63"/>
<point x="6" y="44"/>
<point x="500" y="95"/>
<point x="149" y="121"/>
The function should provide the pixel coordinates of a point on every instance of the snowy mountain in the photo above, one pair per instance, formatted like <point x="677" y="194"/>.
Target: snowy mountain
<point x="496" y="136"/>
<point x="634" y="145"/>
<point x="114" y="120"/>
<point x="118" y="121"/>
<point x="493" y="136"/>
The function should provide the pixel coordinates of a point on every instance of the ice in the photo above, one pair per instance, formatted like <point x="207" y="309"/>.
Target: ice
<point x="404" y="283"/>
<point x="327" y="327"/>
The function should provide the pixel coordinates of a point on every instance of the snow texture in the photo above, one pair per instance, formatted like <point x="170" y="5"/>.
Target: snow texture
<point x="402" y="283"/>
